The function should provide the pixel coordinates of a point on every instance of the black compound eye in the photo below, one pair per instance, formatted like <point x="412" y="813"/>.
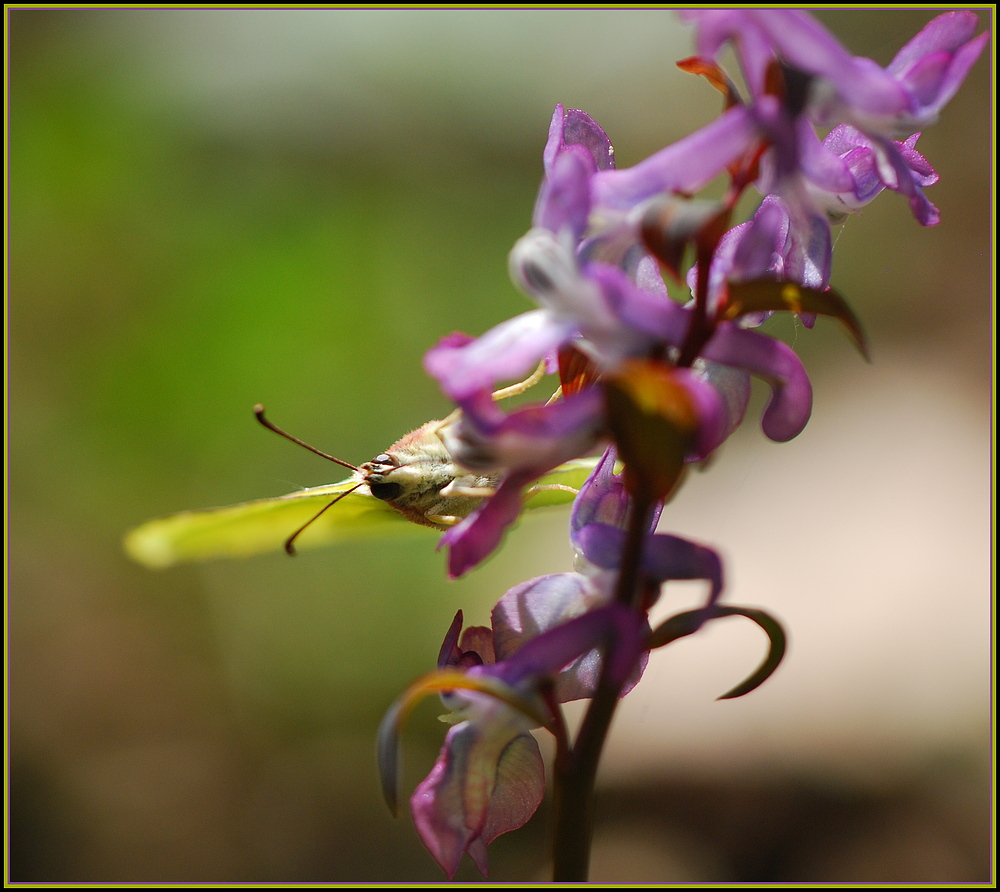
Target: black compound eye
<point x="385" y="491"/>
<point x="385" y="459"/>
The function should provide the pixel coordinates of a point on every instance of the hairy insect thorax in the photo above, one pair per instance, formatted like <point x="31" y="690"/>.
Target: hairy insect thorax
<point x="418" y="477"/>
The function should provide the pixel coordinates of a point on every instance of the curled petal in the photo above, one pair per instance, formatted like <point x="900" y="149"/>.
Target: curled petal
<point x="683" y="624"/>
<point x="765" y="294"/>
<point x="665" y="557"/>
<point x="791" y="393"/>
<point x="670" y="557"/>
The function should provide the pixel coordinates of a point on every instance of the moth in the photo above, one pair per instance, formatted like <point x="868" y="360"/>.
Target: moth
<point x="415" y="480"/>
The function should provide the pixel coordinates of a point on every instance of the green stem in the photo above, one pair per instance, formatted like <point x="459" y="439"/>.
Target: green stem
<point x="576" y="772"/>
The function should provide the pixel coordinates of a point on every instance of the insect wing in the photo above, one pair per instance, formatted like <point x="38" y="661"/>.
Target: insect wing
<point x="262" y="525"/>
<point x="265" y="524"/>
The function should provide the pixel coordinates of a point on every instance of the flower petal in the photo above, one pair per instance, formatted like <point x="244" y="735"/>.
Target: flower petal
<point x="451" y="806"/>
<point x="791" y="393"/>
<point x="507" y="352"/>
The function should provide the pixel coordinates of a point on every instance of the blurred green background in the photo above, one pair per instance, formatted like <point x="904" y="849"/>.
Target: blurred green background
<point x="212" y="208"/>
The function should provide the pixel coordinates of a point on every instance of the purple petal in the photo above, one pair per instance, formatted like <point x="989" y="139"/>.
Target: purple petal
<point x="923" y="173"/>
<point x="809" y="254"/>
<point x="602" y="499"/>
<point x="472" y="796"/>
<point x="638" y="312"/>
<point x="669" y="557"/>
<point x="533" y="608"/>
<point x="664" y="557"/>
<point x="519" y="789"/>
<point x="802" y="41"/>
<point x="760" y="247"/>
<point x="791" y="393"/>
<point x="536" y="606"/>
<point x="475" y="538"/>
<point x="577" y="128"/>
<point x="873" y="170"/>
<point x="449" y="653"/>
<point x="554" y="143"/>
<point x="576" y="149"/>
<point x="957" y="71"/>
<point x="823" y="168"/>
<point x="537" y="438"/>
<point x="946" y="32"/>
<point x="506" y="352"/>
<point x="621" y="630"/>
<point x="933" y="65"/>
<point x="602" y="544"/>
<point x="889" y="157"/>
<point x="564" y="198"/>
<point x="685" y="166"/>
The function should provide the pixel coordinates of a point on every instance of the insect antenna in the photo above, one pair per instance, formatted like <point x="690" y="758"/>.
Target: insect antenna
<point x="290" y="541"/>
<point x="258" y="410"/>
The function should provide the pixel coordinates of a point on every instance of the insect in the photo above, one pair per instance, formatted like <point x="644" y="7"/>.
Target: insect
<point x="416" y="479"/>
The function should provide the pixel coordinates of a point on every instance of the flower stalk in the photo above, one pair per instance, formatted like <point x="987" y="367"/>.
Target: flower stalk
<point x="576" y="771"/>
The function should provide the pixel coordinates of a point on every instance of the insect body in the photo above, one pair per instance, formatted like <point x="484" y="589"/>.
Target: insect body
<point x="419" y="478"/>
<point x="416" y="479"/>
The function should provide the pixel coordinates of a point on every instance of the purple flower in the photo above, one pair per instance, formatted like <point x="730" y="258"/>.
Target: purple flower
<point x="529" y="442"/>
<point x="866" y="161"/>
<point x="549" y="638"/>
<point x="892" y="102"/>
<point x="597" y="530"/>
<point x="489" y="777"/>
<point x="885" y="105"/>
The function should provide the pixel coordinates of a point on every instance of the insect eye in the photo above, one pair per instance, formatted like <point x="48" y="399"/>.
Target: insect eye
<point x="385" y="459"/>
<point x="385" y="491"/>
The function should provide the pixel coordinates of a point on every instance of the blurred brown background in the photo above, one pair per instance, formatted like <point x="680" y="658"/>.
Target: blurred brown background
<point x="210" y="209"/>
